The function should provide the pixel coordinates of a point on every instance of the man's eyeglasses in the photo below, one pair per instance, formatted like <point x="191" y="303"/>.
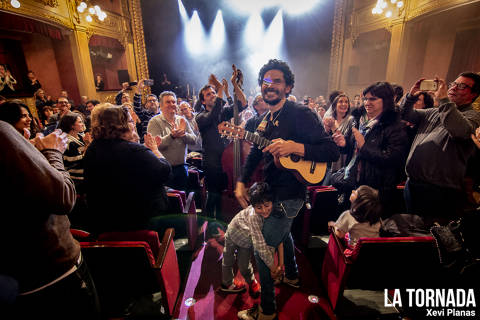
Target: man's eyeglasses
<point x="460" y="86"/>
<point x="152" y="100"/>
<point x="269" y="81"/>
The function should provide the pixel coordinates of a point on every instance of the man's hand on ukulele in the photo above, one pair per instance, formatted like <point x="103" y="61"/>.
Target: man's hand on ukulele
<point x="282" y="148"/>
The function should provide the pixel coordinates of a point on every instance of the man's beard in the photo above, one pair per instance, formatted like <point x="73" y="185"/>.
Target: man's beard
<point x="271" y="102"/>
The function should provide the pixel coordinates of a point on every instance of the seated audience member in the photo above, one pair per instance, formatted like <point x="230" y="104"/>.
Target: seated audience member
<point x="357" y="101"/>
<point x="340" y="123"/>
<point x="90" y="104"/>
<point x="33" y="84"/>
<point x="381" y="145"/>
<point x="45" y="260"/>
<point x="63" y="108"/>
<point x="72" y="124"/>
<point x="99" y="84"/>
<point x="7" y="81"/>
<point x="437" y="162"/>
<point x="45" y="115"/>
<point x="41" y="100"/>
<point x="19" y="116"/>
<point x="186" y="111"/>
<point x="124" y="180"/>
<point x="260" y="108"/>
<point x="176" y="135"/>
<point x="82" y="107"/>
<point x="363" y="218"/>
<point x="292" y="98"/>
<point x="243" y="236"/>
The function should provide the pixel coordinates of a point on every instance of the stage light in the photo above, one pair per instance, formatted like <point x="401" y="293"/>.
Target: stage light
<point x="88" y="18"/>
<point x="297" y="7"/>
<point x="217" y="33"/>
<point x="91" y="10"/>
<point x="80" y="9"/>
<point x="274" y="35"/>
<point x="15" y="4"/>
<point x="388" y="14"/>
<point x="183" y="12"/>
<point x="194" y="35"/>
<point x="254" y="31"/>
<point x="400" y="4"/>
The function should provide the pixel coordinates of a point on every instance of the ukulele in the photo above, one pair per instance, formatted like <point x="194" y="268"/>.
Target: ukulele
<point x="307" y="172"/>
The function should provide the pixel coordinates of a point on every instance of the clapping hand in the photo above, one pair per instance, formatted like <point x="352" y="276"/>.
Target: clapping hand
<point x="152" y="142"/>
<point x="359" y="138"/>
<point x="56" y="140"/>
<point x="339" y="139"/>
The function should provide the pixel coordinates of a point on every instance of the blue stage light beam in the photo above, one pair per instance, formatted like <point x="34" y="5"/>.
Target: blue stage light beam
<point x="183" y="13"/>
<point x="254" y="31"/>
<point x="273" y="40"/>
<point x="217" y="33"/>
<point x="195" y="38"/>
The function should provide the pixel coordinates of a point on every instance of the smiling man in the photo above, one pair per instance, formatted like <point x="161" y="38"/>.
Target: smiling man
<point x="294" y="129"/>
<point x="176" y="134"/>
<point x="440" y="151"/>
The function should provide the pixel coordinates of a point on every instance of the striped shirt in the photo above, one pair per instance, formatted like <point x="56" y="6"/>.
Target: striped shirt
<point x="73" y="160"/>
<point x="245" y="230"/>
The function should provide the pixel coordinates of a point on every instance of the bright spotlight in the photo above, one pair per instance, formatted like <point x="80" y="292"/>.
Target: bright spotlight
<point x="217" y="33"/>
<point x="274" y="35"/>
<point x="183" y="12"/>
<point x="254" y="31"/>
<point x="298" y="6"/>
<point x="194" y="35"/>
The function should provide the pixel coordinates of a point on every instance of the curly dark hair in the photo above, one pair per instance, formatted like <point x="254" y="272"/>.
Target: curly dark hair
<point x="109" y="121"/>
<point x="11" y="112"/>
<point x="260" y="193"/>
<point x="275" y="64"/>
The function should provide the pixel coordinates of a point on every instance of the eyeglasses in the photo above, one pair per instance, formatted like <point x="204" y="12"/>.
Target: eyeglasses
<point x="460" y="86"/>
<point x="269" y="81"/>
<point x="152" y="100"/>
<point x="371" y="99"/>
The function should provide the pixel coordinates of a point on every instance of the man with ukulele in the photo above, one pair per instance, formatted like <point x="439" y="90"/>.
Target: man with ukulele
<point x="293" y="130"/>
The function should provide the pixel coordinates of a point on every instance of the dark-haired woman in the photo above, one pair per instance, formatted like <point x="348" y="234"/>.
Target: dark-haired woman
<point x="19" y="116"/>
<point x="381" y="146"/>
<point x="72" y="124"/>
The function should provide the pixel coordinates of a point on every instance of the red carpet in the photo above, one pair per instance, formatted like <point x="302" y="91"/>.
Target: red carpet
<point x="205" y="278"/>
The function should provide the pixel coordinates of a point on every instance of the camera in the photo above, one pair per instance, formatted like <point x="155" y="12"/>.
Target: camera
<point x="148" y="82"/>
<point x="133" y="83"/>
<point x="429" y="85"/>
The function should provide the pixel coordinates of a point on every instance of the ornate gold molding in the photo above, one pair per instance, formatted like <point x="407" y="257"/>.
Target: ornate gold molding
<point x="139" y="39"/>
<point x="50" y="3"/>
<point x="338" y="38"/>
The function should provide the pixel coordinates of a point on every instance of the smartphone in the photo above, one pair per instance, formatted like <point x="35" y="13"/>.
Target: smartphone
<point x="429" y="85"/>
<point x="148" y="82"/>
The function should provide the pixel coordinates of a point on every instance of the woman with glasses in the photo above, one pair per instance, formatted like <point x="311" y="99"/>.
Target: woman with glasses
<point x="124" y="180"/>
<point x="381" y="145"/>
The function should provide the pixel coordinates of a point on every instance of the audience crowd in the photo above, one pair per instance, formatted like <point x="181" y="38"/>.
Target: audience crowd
<point x="113" y="164"/>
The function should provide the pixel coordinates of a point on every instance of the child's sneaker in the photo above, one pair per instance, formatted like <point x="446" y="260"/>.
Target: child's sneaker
<point x="235" y="287"/>
<point x="255" y="289"/>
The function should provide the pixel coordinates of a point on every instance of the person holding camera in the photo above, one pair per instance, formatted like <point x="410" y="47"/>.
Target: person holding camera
<point x="437" y="162"/>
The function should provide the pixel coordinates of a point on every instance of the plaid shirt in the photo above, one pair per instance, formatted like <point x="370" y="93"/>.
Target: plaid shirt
<point x="245" y="230"/>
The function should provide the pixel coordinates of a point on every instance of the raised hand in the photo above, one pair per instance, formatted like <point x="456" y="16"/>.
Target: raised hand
<point x="416" y="87"/>
<point x="56" y="140"/>
<point x="359" y="138"/>
<point x="339" y="139"/>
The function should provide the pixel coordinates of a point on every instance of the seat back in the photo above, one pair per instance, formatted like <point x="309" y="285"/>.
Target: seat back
<point x="125" y="271"/>
<point x="379" y="263"/>
<point x="148" y="236"/>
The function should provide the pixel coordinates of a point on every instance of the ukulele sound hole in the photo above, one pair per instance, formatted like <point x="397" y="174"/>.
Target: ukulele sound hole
<point x="295" y="158"/>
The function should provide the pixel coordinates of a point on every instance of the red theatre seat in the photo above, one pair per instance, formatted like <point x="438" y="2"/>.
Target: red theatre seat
<point x="378" y="264"/>
<point x="130" y="266"/>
